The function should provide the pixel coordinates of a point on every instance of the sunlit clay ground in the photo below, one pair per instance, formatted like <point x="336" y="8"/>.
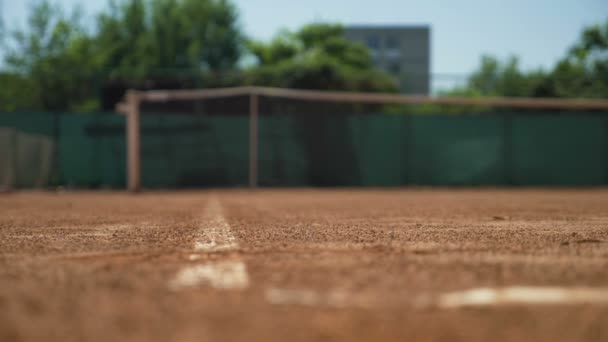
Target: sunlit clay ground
<point x="301" y="265"/>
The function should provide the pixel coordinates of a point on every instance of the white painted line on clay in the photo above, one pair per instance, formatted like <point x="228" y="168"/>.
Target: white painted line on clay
<point x="449" y="258"/>
<point x="477" y="297"/>
<point x="194" y="257"/>
<point x="307" y="297"/>
<point x="294" y="297"/>
<point x="522" y="295"/>
<point x="214" y="235"/>
<point x="214" y="232"/>
<point x="225" y="275"/>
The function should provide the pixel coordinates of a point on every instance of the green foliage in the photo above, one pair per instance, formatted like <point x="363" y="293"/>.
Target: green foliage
<point x="53" y="55"/>
<point x="18" y="93"/>
<point x="57" y="64"/>
<point x="497" y="78"/>
<point x="316" y="57"/>
<point x="135" y="38"/>
<point x="138" y="38"/>
<point x="503" y="79"/>
<point x="582" y="73"/>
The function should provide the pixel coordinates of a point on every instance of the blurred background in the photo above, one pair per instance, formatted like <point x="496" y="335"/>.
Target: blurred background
<point x="66" y="64"/>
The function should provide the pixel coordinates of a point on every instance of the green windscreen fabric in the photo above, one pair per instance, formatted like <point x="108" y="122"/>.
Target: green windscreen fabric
<point x="315" y="150"/>
<point x="283" y="158"/>
<point x="180" y="150"/>
<point x="188" y="151"/>
<point x="176" y="151"/>
<point x="467" y="150"/>
<point x="383" y="149"/>
<point x="559" y="150"/>
<point x="325" y="150"/>
<point x="92" y="151"/>
<point x="441" y="150"/>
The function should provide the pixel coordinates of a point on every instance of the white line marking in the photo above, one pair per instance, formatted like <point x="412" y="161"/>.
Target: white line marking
<point x="194" y="257"/>
<point x="521" y="295"/>
<point x="490" y="258"/>
<point x="305" y="297"/>
<point x="224" y="275"/>
<point x="283" y="296"/>
<point x="477" y="297"/>
<point x="214" y="235"/>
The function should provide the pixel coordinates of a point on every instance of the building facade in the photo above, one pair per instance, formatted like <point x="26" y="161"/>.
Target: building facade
<point x="402" y="51"/>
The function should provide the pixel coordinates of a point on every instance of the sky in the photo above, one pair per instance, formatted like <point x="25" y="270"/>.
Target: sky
<point x="538" y="31"/>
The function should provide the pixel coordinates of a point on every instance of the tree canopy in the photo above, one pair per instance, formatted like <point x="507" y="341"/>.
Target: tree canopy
<point x="57" y="63"/>
<point x="138" y="37"/>
<point x="64" y="62"/>
<point x="582" y="73"/>
<point x="318" y="56"/>
<point x="51" y="59"/>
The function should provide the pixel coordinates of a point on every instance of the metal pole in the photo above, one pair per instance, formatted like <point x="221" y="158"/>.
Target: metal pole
<point x="133" y="142"/>
<point x="253" y="141"/>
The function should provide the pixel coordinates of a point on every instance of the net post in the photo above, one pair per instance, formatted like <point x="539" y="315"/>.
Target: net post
<point x="133" y="142"/>
<point x="253" y="140"/>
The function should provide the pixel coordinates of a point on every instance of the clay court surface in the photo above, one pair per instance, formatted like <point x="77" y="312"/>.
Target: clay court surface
<point x="301" y="265"/>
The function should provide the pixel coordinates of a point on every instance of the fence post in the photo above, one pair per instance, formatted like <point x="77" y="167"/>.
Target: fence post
<point x="56" y="167"/>
<point x="253" y="140"/>
<point x="133" y="142"/>
<point x="508" y="149"/>
<point x="606" y="151"/>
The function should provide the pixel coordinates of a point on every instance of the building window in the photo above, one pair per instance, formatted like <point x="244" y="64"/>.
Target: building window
<point x="392" y="54"/>
<point x="392" y="43"/>
<point x="373" y="42"/>
<point x="393" y="48"/>
<point x="394" y="68"/>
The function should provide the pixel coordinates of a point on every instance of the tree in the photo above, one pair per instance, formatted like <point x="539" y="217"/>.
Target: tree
<point x="318" y="56"/>
<point x="582" y="73"/>
<point x="139" y="38"/>
<point x="134" y="40"/>
<point x="592" y="49"/>
<point x="498" y="78"/>
<point x="54" y="54"/>
<point x="18" y="93"/>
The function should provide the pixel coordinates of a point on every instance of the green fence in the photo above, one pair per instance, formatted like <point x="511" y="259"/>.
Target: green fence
<point x="88" y="150"/>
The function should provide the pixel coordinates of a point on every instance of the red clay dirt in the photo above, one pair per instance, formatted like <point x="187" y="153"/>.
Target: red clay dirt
<point x="329" y="265"/>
